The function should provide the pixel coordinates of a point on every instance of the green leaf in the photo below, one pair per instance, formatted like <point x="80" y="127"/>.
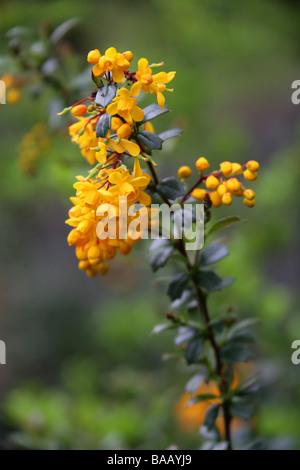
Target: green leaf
<point x="236" y="352"/>
<point x="159" y="243"/>
<point x="152" y="141"/>
<point x="193" y="349"/>
<point x="194" y="383"/>
<point x="211" y="281"/>
<point x="170" y="188"/>
<point x="223" y="223"/>
<point x="177" y="285"/>
<point x="211" y="416"/>
<point x="103" y="125"/>
<point x="160" y="258"/>
<point x="213" y="253"/>
<point x="242" y="407"/>
<point x="63" y="29"/>
<point x="242" y="325"/>
<point x="184" y="334"/>
<point x="159" y="328"/>
<point x="105" y="95"/>
<point x="170" y="133"/>
<point x="152" y="111"/>
<point x="203" y="397"/>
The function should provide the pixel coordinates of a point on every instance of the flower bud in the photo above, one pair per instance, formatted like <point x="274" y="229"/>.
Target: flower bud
<point x="124" y="131"/>
<point x="116" y="123"/>
<point x="212" y="182"/>
<point x="93" y="56"/>
<point x="184" y="172"/>
<point x="249" y="194"/>
<point x="222" y="189"/>
<point x="237" y="169"/>
<point x="215" y="199"/>
<point x="79" y="110"/>
<point x="202" y="164"/>
<point x="227" y="199"/>
<point x="226" y="168"/>
<point x="250" y="175"/>
<point x="252" y="165"/>
<point x="198" y="194"/>
<point x="233" y="185"/>
<point x="249" y="203"/>
<point x="128" y="55"/>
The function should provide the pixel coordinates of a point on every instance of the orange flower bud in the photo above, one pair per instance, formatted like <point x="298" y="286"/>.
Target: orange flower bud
<point x="124" y="131"/>
<point x="198" y="194"/>
<point x="93" y="56"/>
<point x="79" y="110"/>
<point x="250" y="175"/>
<point x="184" y="172"/>
<point x="252" y="165"/>
<point x="227" y="199"/>
<point x="202" y="164"/>
<point x="226" y="168"/>
<point x="216" y="200"/>
<point x="212" y="182"/>
<point x="249" y="194"/>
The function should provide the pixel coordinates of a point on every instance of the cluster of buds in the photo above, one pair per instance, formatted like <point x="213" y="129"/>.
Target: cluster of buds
<point x="223" y="184"/>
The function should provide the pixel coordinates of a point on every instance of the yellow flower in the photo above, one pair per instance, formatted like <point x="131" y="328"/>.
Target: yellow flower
<point x="151" y="83"/>
<point x="125" y="106"/>
<point x="112" y="61"/>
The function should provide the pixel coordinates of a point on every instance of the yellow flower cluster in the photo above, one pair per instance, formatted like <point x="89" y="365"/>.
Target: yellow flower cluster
<point x="32" y="147"/>
<point x="105" y="188"/>
<point x="107" y="132"/>
<point x="13" y="93"/>
<point x="223" y="184"/>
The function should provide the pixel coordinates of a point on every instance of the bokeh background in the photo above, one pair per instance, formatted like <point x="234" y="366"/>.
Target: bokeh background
<point x="83" y="370"/>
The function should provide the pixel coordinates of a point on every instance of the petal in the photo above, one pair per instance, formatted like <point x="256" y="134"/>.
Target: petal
<point x="127" y="188"/>
<point x="141" y="181"/>
<point x="111" y="52"/>
<point x="136" y="88"/>
<point x="144" y="198"/>
<point x="131" y="147"/>
<point x="161" y="99"/>
<point x="97" y="70"/>
<point x="115" y="178"/>
<point x="112" y="108"/>
<point x="117" y="74"/>
<point x="143" y="64"/>
<point x="116" y="146"/>
<point x="137" y="171"/>
<point x="161" y="77"/>
<point x="137" y="114"/>
<point x="171" y="75"/>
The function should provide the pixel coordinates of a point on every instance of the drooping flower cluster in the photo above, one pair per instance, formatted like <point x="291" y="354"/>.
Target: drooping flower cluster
<point x="108" y="131"/>
<point x="223" y="184"/>
<point x="103" y="192"/>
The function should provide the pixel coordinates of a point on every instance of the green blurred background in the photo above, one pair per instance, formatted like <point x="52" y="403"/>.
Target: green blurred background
<point x="83" y="370"/>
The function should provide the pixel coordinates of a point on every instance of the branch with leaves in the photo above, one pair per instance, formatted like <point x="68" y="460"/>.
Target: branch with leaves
<point x="117" y="138"/>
